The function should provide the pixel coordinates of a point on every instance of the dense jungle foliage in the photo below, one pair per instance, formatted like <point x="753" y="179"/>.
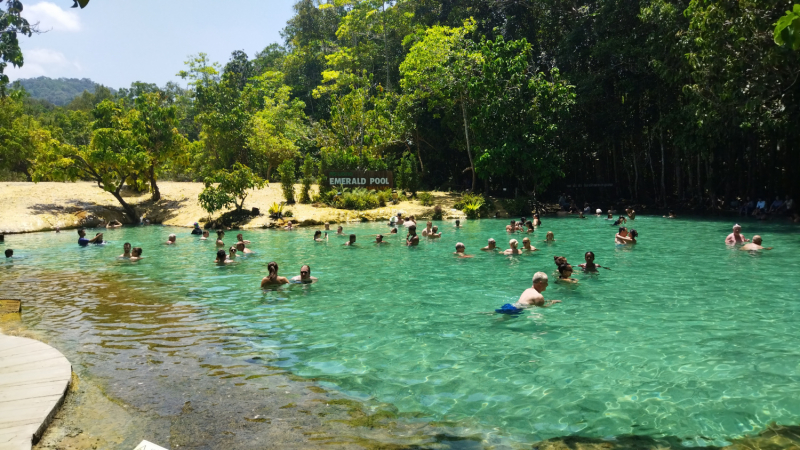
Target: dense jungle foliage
<point x="654" y="101"/>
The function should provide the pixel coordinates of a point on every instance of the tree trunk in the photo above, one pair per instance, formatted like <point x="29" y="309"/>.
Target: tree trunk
<point x="699" y="184"/>
<point x="663" y="186"/>
<point x="153" y="186"/>
<point x="614" y="161"/>
<point x="130" y="211"/>
<point x="635" y="175"/>
<point x="466" y="136"/>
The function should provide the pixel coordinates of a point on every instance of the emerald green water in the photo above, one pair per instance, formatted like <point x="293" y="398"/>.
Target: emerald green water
<point x="683" y="337"/>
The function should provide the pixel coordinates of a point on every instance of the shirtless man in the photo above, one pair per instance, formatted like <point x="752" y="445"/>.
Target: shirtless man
<point x="736" y="237"/>
<point x="339" y="231"/>
<point x="434" y="234"/>
<point x="460" y="248"/>
<point x="242" y="249"/>
<point x="327" y="226"/>
<point x="136" y="254"/>
<point x="205" y="235"/>
<point x="755" y="245"/>
<point x="305" y="276"/>
<point x="220" y="235"/>
<point x="511" y="227"/>
<point x="352" y="241"/>
<point x="491" y="247"/>
<point x="622" y="237"/>
<point x="126" y="251"/>
<point x="240" y="238"/>
<point x="513" y="250"/>
<point x="379" y="240"/>
<point x="412" y="239"/>
<point x="171" y="239"/>
<point x="533" y="295"/>
<point x="526" y="245"/>
<point x="427" y="229"/>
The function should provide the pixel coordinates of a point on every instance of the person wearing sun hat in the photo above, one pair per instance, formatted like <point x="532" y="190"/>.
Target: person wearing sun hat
<point x="736" y="237"/>
<point x="196" y="229"/>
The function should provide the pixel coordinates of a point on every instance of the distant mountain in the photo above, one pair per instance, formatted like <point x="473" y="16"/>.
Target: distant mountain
<point x="58" y="91"/>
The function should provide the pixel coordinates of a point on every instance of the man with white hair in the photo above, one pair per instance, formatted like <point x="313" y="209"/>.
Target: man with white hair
<point x="171" y="239"/>
<point x="755" y="245"/>
<point x="533" y="295"/>
<point x="491" y="247"/>
<point x="513" y="250"/>
<point x="460" y="249"/>
<point x="736" y="237"/>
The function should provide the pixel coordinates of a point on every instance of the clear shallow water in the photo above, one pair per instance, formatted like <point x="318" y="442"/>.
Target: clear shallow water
<point x="683" y="337"/>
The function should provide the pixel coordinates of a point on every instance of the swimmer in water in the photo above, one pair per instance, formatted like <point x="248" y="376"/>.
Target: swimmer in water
<point x="220" y="235"/>
<point x="171" y="239"/>
<point x="529" y="227"/>
<point x="620" y="221"/>
<point x="631" y="213"/>
<point x="240" y="238"/>
<point x="273" y="278"/>
<point x="755" y="245"/>
<point x="589" y="266"/>
<point x="564" y="274"/>
<point x="379" y="240"/>
<point x="736" y="237"/>
<point x="492" y="246"/>
<point x="305" y="276"/>
<point x="633" y="235"/>
<point x="136" y="254"/>
<point x="550" y="237"/>
<point x="526" y="245"/>
<point x="242" y="249"/>
<point x="327" y="226"/>
<point x="9" y="253"/>
<point x="222" y="257"/>
<point x="560" y="260"/>
<point x="412" y="239"/>
<point x="512" y="227"/>
<point x="318" y="236"/>
<point x="671" y="215"/>
<point x="458" y="223"/>
<point x="427" y="229"/>
<point x="232" y="253"/>
<point x="580" y="215"/>
<point x="205" y="235"/>
<point x="513" y="250"/>
<point x="114" y="224"/>
<point x="339" y="231"/>
<point x="622" y="237"/>
<point x="394" y="231"/>
<point x="460" y="249"/>
<point x="352" y="240"/>
<point x="288" y="226"/>
<point x="434" y="234"/>
<point x="610" y="216"/>
<point x="533" y="295"/>
<point x="536" y="221"/>
<point x="126" y="251"/>
<point x="98" y="239"/>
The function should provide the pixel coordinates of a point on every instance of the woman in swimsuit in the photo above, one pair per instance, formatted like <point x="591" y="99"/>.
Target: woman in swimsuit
<point x="318" y="236"/>
<point x="273" y="278"/>
<point x="589" y="266"/>
<point x="564" y="274"/>
<point x="220" y="235"/>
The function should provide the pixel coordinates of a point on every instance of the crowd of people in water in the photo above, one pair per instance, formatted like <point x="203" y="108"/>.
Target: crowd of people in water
<point x="530" y="297"/>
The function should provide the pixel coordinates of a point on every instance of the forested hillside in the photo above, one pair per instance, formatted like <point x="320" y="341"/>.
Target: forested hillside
<point x="58" y="91"/>
<point x="655" y="101"/>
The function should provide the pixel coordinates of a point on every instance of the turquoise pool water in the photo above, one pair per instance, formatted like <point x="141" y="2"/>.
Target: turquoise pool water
<point x="683" y="337"/>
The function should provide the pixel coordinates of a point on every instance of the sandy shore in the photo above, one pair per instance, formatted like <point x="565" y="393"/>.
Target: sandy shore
<point x="29" y="207"/>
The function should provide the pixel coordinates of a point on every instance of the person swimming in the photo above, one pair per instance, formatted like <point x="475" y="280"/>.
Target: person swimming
<point x="513" y="250"/>
<point x="428" y="230"/>
<point x="126" y="251"/>
<point x="458" y="223"/>
<point x="242" y="249"/>
<point x="318" y="236"/>
<point x="379" y="240"/>
<point x="305" y="276"/>
<point x="529" y="226"/>
<point x="220" y="235"/>
<point x="9" y="253"/>
<point x="526" y="245"/>
<point x="492" y="246"/>
<point x="114" y="224"/>
<point x="327" y="226"/>
<point x="537" y="222"/>
<point x="633" y="234"/>
<point x="620" y="221"/>
<point x="171" y="239"/>
<point x="352" y="240"/>
<point x="589" y="265"/>
<point x="511" y="227"/>
<point x="222" y="257"/>
<point x="622" y="237"/>
<point x="560" y="260"/>
<point x="394" y="231"/>
<point x="412" y="239"/>
<point x="205" y="235"/>
<point x="550" y="237"/>
<point x="240" y="238"/>
<point x="289" y="226"/>
<point x="339" y="231"/>
<point x="434" y="234"/>
<point x="530" y="297"/>
<point x="273" y="278"/>
<point x="580" y="215"/>
<point x="755" y="245"/>
<point x="565" y="274"/>
<point x="196" y="229"/>
<point x="610" y="216"/>
<point x="136" y="254"/>
<point x="460" y="249"/>
<point x="232" y="253"/>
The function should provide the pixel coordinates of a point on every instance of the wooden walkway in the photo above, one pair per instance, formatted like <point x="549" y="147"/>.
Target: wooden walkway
<point x="34" y="379"/>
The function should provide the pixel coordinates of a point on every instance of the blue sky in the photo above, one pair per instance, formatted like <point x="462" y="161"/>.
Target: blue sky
<point x="117" y="42"/>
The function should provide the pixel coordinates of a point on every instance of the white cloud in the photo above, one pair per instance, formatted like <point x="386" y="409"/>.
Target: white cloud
<point x="51" y="17"/>
<point x="43" y="62"/>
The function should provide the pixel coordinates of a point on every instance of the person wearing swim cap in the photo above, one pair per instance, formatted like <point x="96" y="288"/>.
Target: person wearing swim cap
<point x="460" y="249"/>
<point x="491" y="247"/>
<point x="196" y="230"/>
<point x="755" y="245"/>
<point x="736" y="237"/>
<point x="305" y="276"/>
<point x="513" y="250"/>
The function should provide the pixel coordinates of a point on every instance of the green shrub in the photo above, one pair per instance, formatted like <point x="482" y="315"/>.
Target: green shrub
<point x="471" y="204"/>
<point x="308" y="178"/>
<point x="286" y="171"/>
<point x="384" y="197"/>
<point x="426" y="198"/>
<point x="406" y="175"/>
<point x="360" y="199"/>
<point x="520" y="206"/>
<point x="229" y="187"/>
<point x="288" y="213"/>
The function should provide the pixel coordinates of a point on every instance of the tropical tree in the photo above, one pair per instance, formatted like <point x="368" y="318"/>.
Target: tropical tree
<point x="157" y="123"/>
<point x="229" y="187"/>
<point x="11" y="24"/>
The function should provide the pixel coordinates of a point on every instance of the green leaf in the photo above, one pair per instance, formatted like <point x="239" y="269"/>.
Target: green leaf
<point x="787" y="29"/>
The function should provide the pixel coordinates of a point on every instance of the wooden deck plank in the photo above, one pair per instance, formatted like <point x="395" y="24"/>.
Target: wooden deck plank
<point x="34" y="378"/>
